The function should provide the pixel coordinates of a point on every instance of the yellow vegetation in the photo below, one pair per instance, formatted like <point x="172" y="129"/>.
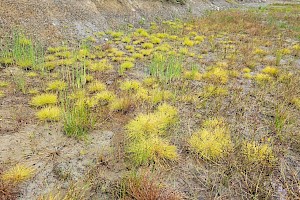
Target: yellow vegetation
<point x="57" y="85"/>
<point x="258" y="153"/>
<point x="151" y="149"/>
<point x="262" y="78"/>
<point x="44" y="99"/>
<point x="96" y="86"/>
<point x="130" y="85"/>
<point x="217" y="75"/>
<point x="49" y="114"/>
<point x="101" y="66"/>
<point x="188" y="42"/>
<point x="212" y="141"/>
<point x="273" y="71"/>
<point x="119" y="104"/>
<point x="125" y="66"/>
<point x="105" y="97"/>
<point x="152" y="124"/>
<point x="18" y="174"/>
<point x="212" y="90"/>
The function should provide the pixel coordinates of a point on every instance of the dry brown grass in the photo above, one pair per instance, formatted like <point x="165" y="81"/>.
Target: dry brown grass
<point x="146" y="186"/>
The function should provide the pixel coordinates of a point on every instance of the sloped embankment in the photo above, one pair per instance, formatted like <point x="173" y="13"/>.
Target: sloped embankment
<point x="54" y="20"/>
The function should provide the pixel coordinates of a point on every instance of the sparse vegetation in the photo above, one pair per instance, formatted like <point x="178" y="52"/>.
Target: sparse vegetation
<point x="211" y="105"/>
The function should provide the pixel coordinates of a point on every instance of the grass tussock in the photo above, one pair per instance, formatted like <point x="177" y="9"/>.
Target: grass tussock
<point x="44" y="99"/>
<point x="145" y="135"/>
<point x="77" y="119"/>
<point x="212" y="141"/>
<point x="18" y="174"/>
<point x="146" y="187"/>
<point x="49" y="114"/>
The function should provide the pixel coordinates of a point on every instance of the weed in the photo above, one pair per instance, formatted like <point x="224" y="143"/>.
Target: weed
<point x="213" y="141"/>
<point x="199" y="38"/>
<point x="217" y="75"/>
<point x="18" y="174"/>
<point x="147" y="46"/>
<point x="2" y="94"/>
<point x="144" y="133"/>
<point x="3" y="84"/>
<point x="258" y="153"/>
<point x="49" y="114"/>
<point x="101" y="66"/>
<point x="77" y="119"/>
<point x="20" y="81"/>
<point x="137" y="55"/>
<point x="96" y="86"/>
<point x="130" y="86"/>
<point x="145" y="187"/>
<point x="152" y="149"/>
<point x="120" y="104"/>
<point x="296" y="102"/>
<point x="263" y="78"/>
<point x="105" y="97"/>
<point x="213" y="91"/>
<point x="125" y="66"/>
<point x="57" y="85"/>
<point x="43" y="99"/>
<point x="152" y="124"/>
<point x="155" y="40"/>
<point x="273" y="71"/>
<point x="192" y="75"/>
<point x="166" y="68"/>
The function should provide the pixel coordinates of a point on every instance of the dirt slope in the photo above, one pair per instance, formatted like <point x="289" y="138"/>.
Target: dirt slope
<point x="54" y="20"/>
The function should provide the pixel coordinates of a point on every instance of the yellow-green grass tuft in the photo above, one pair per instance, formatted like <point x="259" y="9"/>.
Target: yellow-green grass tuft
<point x="57" y="85"/>
<point x="259" y="52"/>
<point x="105" y="97"/>
<point x="18" y="174"/>
<point x="192" y="75"/>
<point x="213" y="141"/>
<point x="263" y="78"/>
<point x="199" y="38"/>
<point x="49" y="114"/>
<point x="152" y="124"/>
<point x="258" y="153"/>
<point x="273" y="71"/>
<point x="125" y="66"/>
<point x="43" y="99"/>
<point x="246" y="70"/>
<point x="296" y="102"/>
<point x="3" y="84"/>
<point x="130" y="85"/>
<point x="119" y="105"/>
<point x="137" y="55"/>
<point x="147" y="46"/>
<point x="96" y="86"/>
<point x="188" y="42"/>
<point x="155" y="40"/>
<point x="2" y="94"/>
<point x="213" y="91"/>
<point x="217" y="75"/>
<point x="31" y="74"/>
<point x="101" y="66"/>
<point x="151" y="150"/>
